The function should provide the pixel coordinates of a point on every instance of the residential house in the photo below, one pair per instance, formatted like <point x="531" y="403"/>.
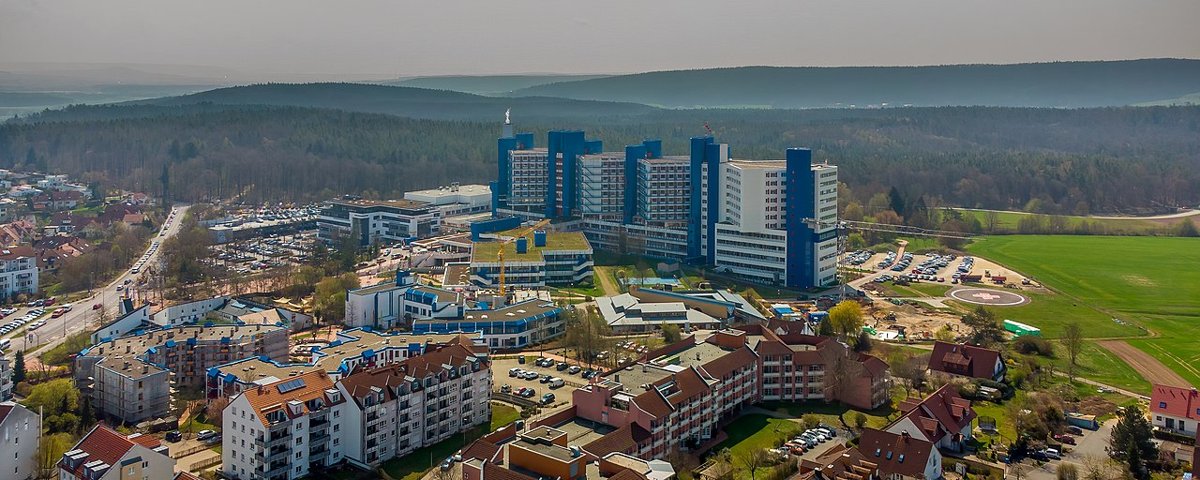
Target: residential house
<point x="54" y="250"/>
<point x="943" y="419"/>
<point x="105" y="454"/>
<point x="900" y="455"/>
<point x="20" y="433"/>
<point x="18" y="271"/>
<point x="1175" y="409"/>
<point x="967" y="361"/>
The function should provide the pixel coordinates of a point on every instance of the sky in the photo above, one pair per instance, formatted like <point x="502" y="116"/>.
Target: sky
<point x="289" y="39"/>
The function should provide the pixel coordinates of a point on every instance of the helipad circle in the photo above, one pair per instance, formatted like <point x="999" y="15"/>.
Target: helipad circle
<point x="989" y="297"/>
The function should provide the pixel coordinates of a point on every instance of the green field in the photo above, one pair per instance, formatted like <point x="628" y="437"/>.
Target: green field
<point x="757" y="431"/>
<point x="1148" y="281"/>
<point x="1006" y="222"/>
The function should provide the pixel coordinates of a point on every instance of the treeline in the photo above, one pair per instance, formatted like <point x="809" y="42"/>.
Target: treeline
<point x="1046" y="161"/>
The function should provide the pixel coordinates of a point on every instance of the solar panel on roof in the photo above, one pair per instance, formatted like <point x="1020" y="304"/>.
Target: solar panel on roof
<point x="291" y="385"/>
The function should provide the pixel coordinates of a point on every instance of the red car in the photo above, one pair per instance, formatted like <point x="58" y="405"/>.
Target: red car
<point x="48" y="302"/>
<point x="97" y="306"/>
<point x="1067" y="439"/>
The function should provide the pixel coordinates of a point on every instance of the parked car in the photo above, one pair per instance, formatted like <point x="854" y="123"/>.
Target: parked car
<point x="556" y="382"/>
<point x="1067" y="439"/>
<point x="562" y="366"/>
<point x="174" y="436"/>
<point x="514" y="372"/>
<point x="506" y="388"/>
<point x="544" y="379"/>
<point x="205" y="434"/>
<point x="574" y="369"/>
<point x="97" y="306"/>
<point x="547" y="398"/>
<point x="1052" y="453"/>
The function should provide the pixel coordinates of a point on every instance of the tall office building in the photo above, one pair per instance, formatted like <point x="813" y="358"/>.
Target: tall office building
<point x="770" y="221"/>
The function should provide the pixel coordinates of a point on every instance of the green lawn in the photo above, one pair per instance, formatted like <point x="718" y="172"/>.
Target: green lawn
<point x="830" y="413"/>
<point x="1007" y="222"/>
<point x="757" y="431"/>
<point x="415" y="464"/>
<point x="1150" y="281"/>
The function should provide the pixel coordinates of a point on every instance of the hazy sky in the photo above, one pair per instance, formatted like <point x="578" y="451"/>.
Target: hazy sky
<point x="396" y="37"/>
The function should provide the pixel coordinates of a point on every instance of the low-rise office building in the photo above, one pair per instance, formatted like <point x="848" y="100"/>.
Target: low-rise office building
<point x="376" y="221"/>
<point x="455" y="200"/>
<point x="280" y="431"/>
<point x="396" y="304"/>
<point x="20" y="434"/>
<point x="551" y="258"/>
<point x="518" y="325"/>
<point x="644" y="310"/>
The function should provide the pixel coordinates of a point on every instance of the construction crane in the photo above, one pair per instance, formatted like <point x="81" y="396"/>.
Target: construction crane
<point x="500" y="255"/>
<point x="708" y="129"/>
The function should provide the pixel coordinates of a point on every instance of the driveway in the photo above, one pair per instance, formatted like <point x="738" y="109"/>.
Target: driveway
<point x="1091" y="444"/>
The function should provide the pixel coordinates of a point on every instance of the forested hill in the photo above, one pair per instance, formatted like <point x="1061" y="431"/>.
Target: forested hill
<point x="1070" y="161"/>
<point x="1063" y="84"/>
<point x="486" y="84"/>
<point x="403" y="101"/>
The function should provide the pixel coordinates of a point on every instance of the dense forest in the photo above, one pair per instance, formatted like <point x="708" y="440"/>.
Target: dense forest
<point x="1059" y="84"/>
<point x="1047" y="160"/>
<point x="404" y="101"/>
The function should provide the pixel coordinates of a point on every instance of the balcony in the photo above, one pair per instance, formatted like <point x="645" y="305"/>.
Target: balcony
<point x="279" y="456"/>
<point x="280" y="471"/>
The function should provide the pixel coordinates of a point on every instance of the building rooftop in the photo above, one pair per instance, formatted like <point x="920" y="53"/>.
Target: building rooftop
<point x="409" y="204"/>
<point x="301" y="388"/>
<point x="516" y="311"/>
<point x="328" y="359"/>
<point x="452" y="190"/>
<point x="488" y="252"/>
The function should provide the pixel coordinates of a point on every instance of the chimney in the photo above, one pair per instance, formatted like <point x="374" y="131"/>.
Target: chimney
<point x="904" y="436"/>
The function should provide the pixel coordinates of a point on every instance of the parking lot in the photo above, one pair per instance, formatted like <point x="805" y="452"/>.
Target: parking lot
<point x="260" y="254"/>
<point x="562" y="394"/>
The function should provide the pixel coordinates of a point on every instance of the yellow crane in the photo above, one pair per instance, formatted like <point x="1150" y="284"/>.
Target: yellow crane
<point x="500" y="253"/>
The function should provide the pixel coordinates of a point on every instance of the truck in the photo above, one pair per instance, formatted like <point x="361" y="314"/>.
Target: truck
<point x="970" y="278"/>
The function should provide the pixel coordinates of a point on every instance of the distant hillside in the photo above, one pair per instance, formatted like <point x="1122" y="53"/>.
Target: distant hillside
<point x="403" y="101"/>
<point x="486" y="84"/>
<point x="1063" y="84"/>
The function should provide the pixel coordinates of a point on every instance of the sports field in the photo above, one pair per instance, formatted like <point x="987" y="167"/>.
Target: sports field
<point x="1147" y="281"/>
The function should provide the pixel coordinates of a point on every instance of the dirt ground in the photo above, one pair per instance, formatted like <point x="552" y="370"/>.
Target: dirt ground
<point x="1149" y="367"/>
<point x="918" y="322"/>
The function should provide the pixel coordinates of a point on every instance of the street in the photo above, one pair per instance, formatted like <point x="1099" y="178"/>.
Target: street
<point x="82" y="316"/>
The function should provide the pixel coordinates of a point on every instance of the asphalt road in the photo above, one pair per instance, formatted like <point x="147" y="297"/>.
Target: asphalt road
<point x="82" y="316"/>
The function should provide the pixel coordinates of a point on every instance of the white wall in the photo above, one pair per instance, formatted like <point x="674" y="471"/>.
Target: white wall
<point x="123" y="325"/>
<point x="187" y="312"/>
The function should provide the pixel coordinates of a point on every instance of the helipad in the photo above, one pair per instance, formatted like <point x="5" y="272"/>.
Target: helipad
<point x="985" y="296"/>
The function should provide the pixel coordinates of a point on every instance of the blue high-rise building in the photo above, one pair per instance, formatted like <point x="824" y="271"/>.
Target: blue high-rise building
<point x="770" y="221"/>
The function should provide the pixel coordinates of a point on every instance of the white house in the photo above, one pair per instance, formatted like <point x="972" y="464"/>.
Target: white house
<point x="20" y="432"/>
<point x="1175" y="409"/>
<point x="105" y="454"/>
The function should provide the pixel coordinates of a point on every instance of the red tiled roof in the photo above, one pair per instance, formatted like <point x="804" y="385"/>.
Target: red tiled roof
<point x="874" y="365"/>
<point x="492" y="471"/>
<point x="106" y="445"/>
<point x="725" y="365"/>
<point x="267" y="398"/>
<point x="627" y="474"/>
<point x="976" y="362"/>
<point x="481" y="449"/>
<point x="624" y="439"/>
<point x="886" y="450"/>
<point x="688" y="384"/>
<point x="653" y="403"/>
<point x="4" y="409"/>
<point x="1178" y="402"/>
<point x="388" y="377"/>
<point x="951" y="412"/>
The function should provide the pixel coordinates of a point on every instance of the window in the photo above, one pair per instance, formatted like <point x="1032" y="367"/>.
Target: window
<point x="1162" y="404"/>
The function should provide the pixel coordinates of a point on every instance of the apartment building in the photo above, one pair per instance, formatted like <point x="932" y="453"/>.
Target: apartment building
<point x="353" y="349"/>
<point x="6" y="382"/>
<point x="18" y="271"/>
<point x="129" y="378"/>
<point x="769" y="221"/>
<point x="105" y="454"/>
<point x="20" y="432"/>
<point x="398" y="408"/>
<point x="281" y="430"/>
<point x="675" y="399"/>
<point x="455" y="200"/>
<point x="800" y="367"/>
<point x="377" y="221"/>
<point x="552" y="258"/>
<point x="671" y="403"/>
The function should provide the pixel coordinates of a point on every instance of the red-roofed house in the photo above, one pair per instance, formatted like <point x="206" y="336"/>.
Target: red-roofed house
<point x="967" y="361"/>
<point x="1175" y="409"/>
<point x="105" y="454"/>
<point x="943" y="419"/>
<point x="900" y="455"/>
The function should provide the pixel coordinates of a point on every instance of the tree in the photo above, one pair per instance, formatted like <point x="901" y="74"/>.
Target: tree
<point x="862" y="343"/>
<point x="956" y="226"/>
<point x="944" y="334"/>
<point x="1067" y="471"/>
<point x="1131" y="442"/>
<point x="860" y="420"/>
<point x="985" y="330"/>
<point x="847" y="317"/>
<point x="1073" y="341"/>
<point x="58" y="400"/>
<point x="896" y="202"/>
<point x="1100" y="468"/>
<point x="853" y="212"/>
<point x="329" y="298"/>
<point x="752" y="460"/>
<point x="992" y="220"/>
<point x="1187" y="228"/>
<point x="825" y="329"/>
<point x="18" y="373"/>
<point x="671" y="333"/>
<point x="50" y="450"/>
<point x="214" y="410"/>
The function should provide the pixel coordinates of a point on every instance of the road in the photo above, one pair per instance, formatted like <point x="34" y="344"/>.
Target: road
<point x="82" y="316"/>
<point x="1169" y="216"/>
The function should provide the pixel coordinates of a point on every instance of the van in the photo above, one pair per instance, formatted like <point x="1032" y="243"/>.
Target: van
<point x="4" y="344"/>
<point x="556" y="382"/>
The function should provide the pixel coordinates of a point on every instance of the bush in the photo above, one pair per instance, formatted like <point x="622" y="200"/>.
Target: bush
<point x="1030" y="345"/>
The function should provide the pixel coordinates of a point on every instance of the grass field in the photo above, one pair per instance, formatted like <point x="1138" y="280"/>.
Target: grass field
<point x="1150" y="281"/>
<point x="756" y="431"/>
<point x="1006" y="222"/>
<point x="414" y="465"/>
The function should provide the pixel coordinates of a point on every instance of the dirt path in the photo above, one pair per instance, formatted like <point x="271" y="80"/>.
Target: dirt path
<point x="606" y="282"/>
<point x="1149" y="367"/>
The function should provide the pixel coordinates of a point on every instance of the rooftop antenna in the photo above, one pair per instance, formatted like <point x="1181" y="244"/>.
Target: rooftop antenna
<point x="507" y="121"/>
